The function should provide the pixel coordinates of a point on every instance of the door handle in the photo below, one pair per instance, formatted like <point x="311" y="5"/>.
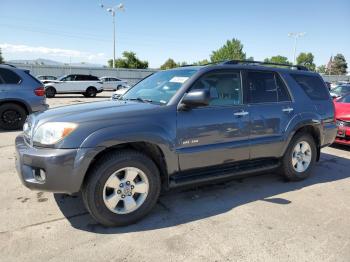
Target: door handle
<point x="241" y="113"/>
<point x="288" y="109"/>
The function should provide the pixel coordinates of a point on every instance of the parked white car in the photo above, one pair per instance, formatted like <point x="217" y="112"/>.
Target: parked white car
<point x="112" y="83"/>
<point x="117" y="94"/>
<point x="87" y="85"/>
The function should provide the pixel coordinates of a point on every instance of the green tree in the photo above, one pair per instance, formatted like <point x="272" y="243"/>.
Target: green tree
<point x="232" y="50"/>
<point x="307" y="60"/>
<point x="339" y="65"/>
<point x="278" y="59"/>
<point x="202" y="62"/>
<point x="1" y="58"/>
<point x="322" y="69"/>
<point x="170" y="63"/>
<point x="129" y="60"/>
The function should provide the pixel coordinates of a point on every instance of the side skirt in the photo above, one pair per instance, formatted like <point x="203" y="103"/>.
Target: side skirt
<point x="204" y="175"/>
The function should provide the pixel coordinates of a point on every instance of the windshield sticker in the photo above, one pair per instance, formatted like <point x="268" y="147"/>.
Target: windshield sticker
<point x="178" y="79"/>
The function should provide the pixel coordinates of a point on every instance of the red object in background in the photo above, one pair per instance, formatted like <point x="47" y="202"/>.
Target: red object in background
<point x="342" y="114"/>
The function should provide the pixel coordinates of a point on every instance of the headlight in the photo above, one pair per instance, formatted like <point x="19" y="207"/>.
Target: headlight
<point x="51" y="133"/>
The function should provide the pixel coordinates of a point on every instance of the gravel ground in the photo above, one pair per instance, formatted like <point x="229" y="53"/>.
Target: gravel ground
<point x="259" y="218"/>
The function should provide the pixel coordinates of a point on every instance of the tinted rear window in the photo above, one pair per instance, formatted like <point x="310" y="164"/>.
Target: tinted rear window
<point x="91" y="78"/>
<point x="9" y="77"/>
<point x="266" y="87"/>
<point x="313" y="86"/>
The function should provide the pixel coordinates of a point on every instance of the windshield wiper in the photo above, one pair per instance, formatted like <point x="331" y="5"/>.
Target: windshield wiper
<point x="140" y="100"/>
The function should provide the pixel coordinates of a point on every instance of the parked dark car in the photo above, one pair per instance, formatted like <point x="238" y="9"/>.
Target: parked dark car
<point x="20" y="95"/>
<point x="189" y="125"/>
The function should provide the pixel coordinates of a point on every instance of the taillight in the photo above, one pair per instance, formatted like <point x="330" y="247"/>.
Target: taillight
<point x="40" y="91"/>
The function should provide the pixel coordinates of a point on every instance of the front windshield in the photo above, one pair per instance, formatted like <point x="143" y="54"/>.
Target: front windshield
<point x="344" y="99"/>
<point x="160" y="87"/>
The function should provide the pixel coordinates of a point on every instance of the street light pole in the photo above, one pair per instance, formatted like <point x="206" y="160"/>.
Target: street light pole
<point x="113" y="14"/>
<point x="113" y="11"/>
<point x="295" y="36"/>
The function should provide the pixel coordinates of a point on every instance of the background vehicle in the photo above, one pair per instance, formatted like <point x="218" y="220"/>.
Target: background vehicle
<point x="112" y="83"/>
<point x="20" y="95"/>
<point x="178" y="127"/>
<point x="342" y="114"/>
<point x="46" y="79"/>
<point x="117" y="94"/>
<point x="87" y="85"/>
<point x="339" y="91"/>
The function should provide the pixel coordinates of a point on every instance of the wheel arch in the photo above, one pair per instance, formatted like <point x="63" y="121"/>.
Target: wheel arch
<point x="17" y="102"/>
<point x="311" y="129"/>
<point x="149" y="149"/>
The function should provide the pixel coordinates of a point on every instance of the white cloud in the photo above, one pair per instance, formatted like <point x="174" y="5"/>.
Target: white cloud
<point x="52" y="52"/>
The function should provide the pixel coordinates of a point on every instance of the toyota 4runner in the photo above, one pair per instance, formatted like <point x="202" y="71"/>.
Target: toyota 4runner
<point x="178" y="127"/>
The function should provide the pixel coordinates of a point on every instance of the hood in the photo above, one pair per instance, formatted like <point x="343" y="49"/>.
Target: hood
<point x="95" y="111"/>
<point x="342" y="111"/>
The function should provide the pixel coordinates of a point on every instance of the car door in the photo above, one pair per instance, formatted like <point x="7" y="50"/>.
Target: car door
<point x="107" y="83"/>
<point x="271" y="109"/>
<point x="67" y="84"/>
<point x="217" y="134"/>
<point x="81" y="83"/>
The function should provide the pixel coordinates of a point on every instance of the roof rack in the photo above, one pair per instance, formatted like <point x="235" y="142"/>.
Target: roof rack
<point x="235" y="62"/>
<point x="8" y="65"/>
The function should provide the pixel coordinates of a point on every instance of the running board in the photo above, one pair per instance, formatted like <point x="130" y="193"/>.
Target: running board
<point x="197" y="176"/>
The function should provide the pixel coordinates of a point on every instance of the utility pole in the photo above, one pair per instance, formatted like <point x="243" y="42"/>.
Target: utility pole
<point x="296" y="36"/>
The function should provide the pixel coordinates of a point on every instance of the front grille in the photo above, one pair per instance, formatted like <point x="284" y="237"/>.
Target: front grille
<point x="343" y="123"/>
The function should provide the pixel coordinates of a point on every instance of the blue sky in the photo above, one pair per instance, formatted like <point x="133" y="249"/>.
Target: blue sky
<point x="189" y="30"/>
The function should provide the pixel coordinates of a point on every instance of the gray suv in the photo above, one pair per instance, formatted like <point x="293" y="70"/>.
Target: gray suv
<point x="20" y="95"/>
<point x="189" y="125"/>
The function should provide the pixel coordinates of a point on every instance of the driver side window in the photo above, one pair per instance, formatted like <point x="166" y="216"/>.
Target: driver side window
<point x="225" y="88"/>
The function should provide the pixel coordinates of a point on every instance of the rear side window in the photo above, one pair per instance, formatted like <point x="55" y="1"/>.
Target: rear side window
<point x="91" y="78"/>
<point x="265" y="87"/>
<point x="33" y="78"/>
<point x="313" y="86"/>
<point x="9" y="77"/>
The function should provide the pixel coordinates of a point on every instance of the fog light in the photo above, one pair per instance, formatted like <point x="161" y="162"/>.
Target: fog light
<point x="39" y="174"/>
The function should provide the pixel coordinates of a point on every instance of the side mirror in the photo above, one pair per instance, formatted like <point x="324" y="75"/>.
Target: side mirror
<point x="195" y="98"/>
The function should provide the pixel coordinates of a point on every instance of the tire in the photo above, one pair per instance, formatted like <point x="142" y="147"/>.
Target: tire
<point x="50" y="92"/>
<point x="294" y="164"/>
<point x="12" y="116"/>
<point x="90" y="92"/>
<point x="119" y="86"/>
<point x="95" y="188"/>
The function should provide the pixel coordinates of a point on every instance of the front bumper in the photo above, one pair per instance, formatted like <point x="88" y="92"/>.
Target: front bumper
<point x="64" y="169"/>
<point x="343" y="136"/>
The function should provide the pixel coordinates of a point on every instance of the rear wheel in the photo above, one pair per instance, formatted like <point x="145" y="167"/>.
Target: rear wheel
<point x="90" y="92"/>
<point x="121" y="188"/>
<point x="12" y="116"/>
<point x="300" y="157"/>
<point x="50" y="92"/>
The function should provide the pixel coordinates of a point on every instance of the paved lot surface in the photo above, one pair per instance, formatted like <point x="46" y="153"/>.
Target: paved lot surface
<point x="254" y="219"/>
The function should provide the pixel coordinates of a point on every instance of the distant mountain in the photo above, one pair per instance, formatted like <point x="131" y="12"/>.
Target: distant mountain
<point x="41" y="61"/>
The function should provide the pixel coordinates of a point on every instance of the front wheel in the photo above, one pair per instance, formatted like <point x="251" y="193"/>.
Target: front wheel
<point x="300" y="157"/>
<point x="121" y="188"/>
